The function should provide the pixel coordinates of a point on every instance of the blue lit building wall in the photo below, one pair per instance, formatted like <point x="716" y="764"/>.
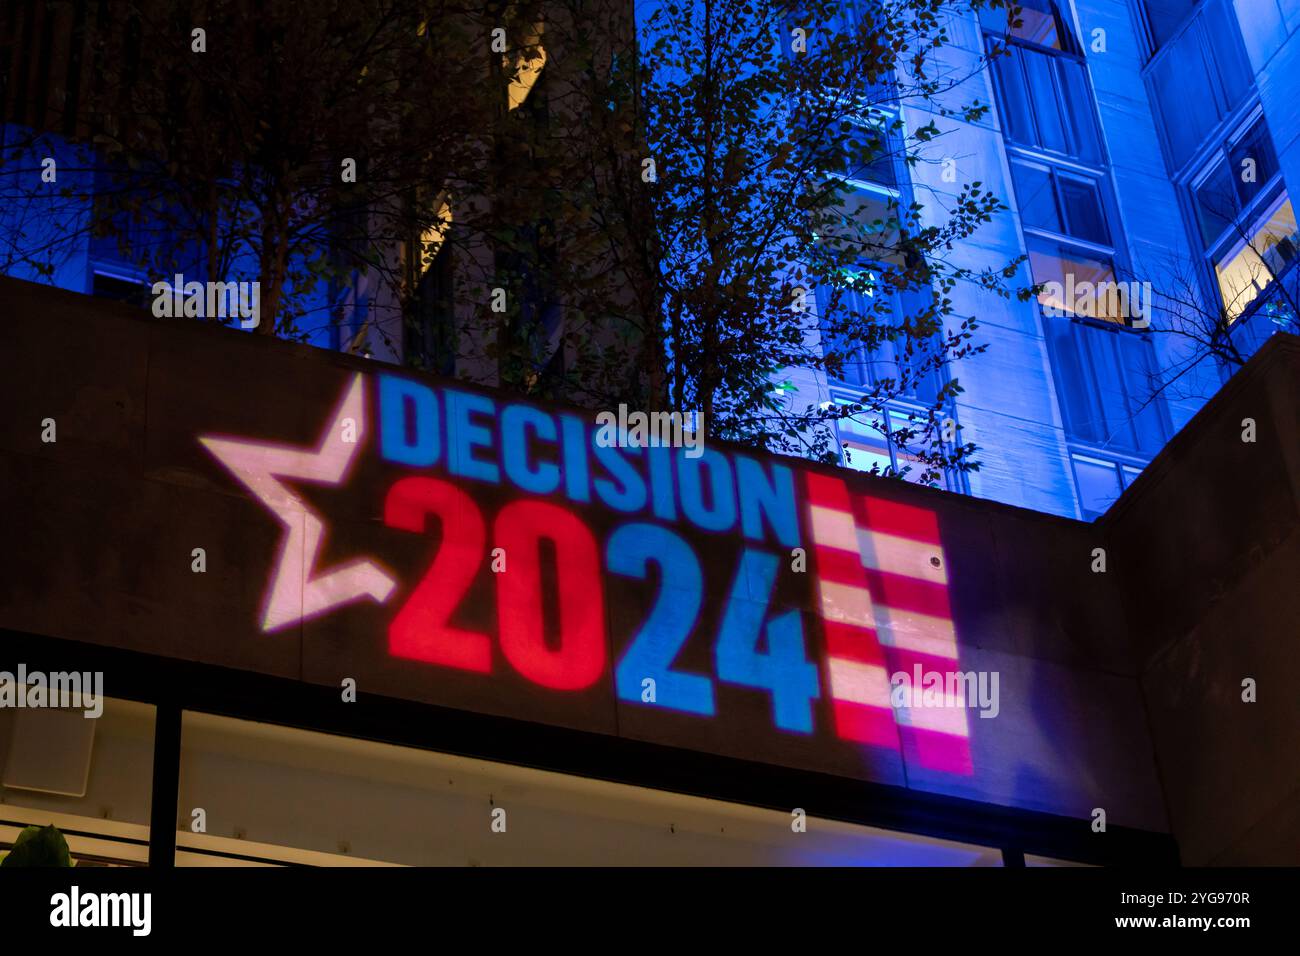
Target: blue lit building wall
<point x="1057" y="407"/>
<point x="1132" y="105"/>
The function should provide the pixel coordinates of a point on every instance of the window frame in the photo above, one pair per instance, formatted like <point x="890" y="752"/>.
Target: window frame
<point x="1232" y="116"/>
<point x="895" y="141"/>
<point x="1229" y="242"/>
<point x="955" y="481"/>
<point x="1127" y="468"/>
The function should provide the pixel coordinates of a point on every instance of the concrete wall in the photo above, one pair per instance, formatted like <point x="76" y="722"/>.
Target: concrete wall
<point x="1207" y="545"/>
<point x="1119" y="690"/>
<point x="99" y="529"/>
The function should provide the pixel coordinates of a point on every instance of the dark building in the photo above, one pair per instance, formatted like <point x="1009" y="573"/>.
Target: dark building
<point x="444" y="266"/>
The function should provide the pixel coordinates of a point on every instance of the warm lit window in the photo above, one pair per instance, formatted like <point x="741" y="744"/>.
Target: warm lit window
<point x="1068" y="242"/>
<point x="1245" y="218"/>
<point x="277" y="795"/>
<point x="90" y="778"/>
<point x="524" y="67"/>
<point x="1076" y="282"/>
<point x="1254" y="263"/>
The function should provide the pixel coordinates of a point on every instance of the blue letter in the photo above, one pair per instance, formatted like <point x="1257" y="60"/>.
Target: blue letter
<point x="464" y="436"/>
<point x="419" y="445"/>
<point x="631" y="550"/>
<point x="720" y="513"/>
<point x="661" y="482"/>
<point x="516" y="420"/>
<point x="576" y="485"/>
<point x="629" y="492"/>
<point x="773" y="499"/>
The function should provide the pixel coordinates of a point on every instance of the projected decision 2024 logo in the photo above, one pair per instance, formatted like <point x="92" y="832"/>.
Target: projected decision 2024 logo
<point x="686" y="585"/>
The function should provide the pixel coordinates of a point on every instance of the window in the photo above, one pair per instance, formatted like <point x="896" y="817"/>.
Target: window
<point x="1041" y="81"/>
<point x="1069" y="243"/>
<point x="276" y="795"/>
<point x="90" y="778"/>
<point x="1038" y="22"/>
<point x="1078" y="283"/>
<point x="866" y="369"/>
<point x="135" y="292"/>
<point x="874" y="148"/>
<point x="1045" y="102"/>
<point x="1241" y="172"/>
<point x="1199" y="79"/>
<point x="1259" y="259"/>
<point x="1100" y="483"/>
<point x="1245" y="218"/>
<point x="866" y="443"/>
<point x="1164" y="18"/>
<point x="430" y="339"/>
<point x="1060" y="203"/>
<point x="1103" y="379"/>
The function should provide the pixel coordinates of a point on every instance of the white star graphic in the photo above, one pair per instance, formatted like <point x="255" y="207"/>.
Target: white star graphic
<point x="296" y="591"/>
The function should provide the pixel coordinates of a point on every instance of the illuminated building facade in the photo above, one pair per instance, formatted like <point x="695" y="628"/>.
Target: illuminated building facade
<point x="1148" y="143"/>
<point x="347" y="612"/>
<point x="1137" y="142"/>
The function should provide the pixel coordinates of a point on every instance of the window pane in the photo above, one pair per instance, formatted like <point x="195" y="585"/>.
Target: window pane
<point x="1103" y="383"/>
<point x="1098" y="486"/>
<point x="1037" y="23"/>
<point x="1252" y="163"/>
<point x="1017" y="116"/>
<point x="1075" y="278"/>
<point x="1036" y="198"/>
<point x="865" y="457"/>
<point x="1186" y="96"/>
<point x="1074" y="385"/>
<point x="1081" y="201"/>
<point x="1040" y="71"/>
<point x="1248" y="270"/>
<point x="93" y="779"/>
<point x="279" y="795"/>
<point x="1216" y="204"/>
<point x="1141" y="418"/>
<point x="1201" y="78"/>
<point x="1106" y="354"/>
<point x="1078" y="106"/>
<point x="871" y="153"/>
<point x="1165" y="17"/>
<point x="1223" y="39"/>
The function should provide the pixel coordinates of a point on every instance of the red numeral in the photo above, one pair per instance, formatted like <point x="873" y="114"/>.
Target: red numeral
<point x="578" y="660"/>
<point x="420" y="630"/>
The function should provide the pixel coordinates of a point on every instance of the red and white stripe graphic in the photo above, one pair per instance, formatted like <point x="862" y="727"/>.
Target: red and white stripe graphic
<point x="883" y="595"/>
